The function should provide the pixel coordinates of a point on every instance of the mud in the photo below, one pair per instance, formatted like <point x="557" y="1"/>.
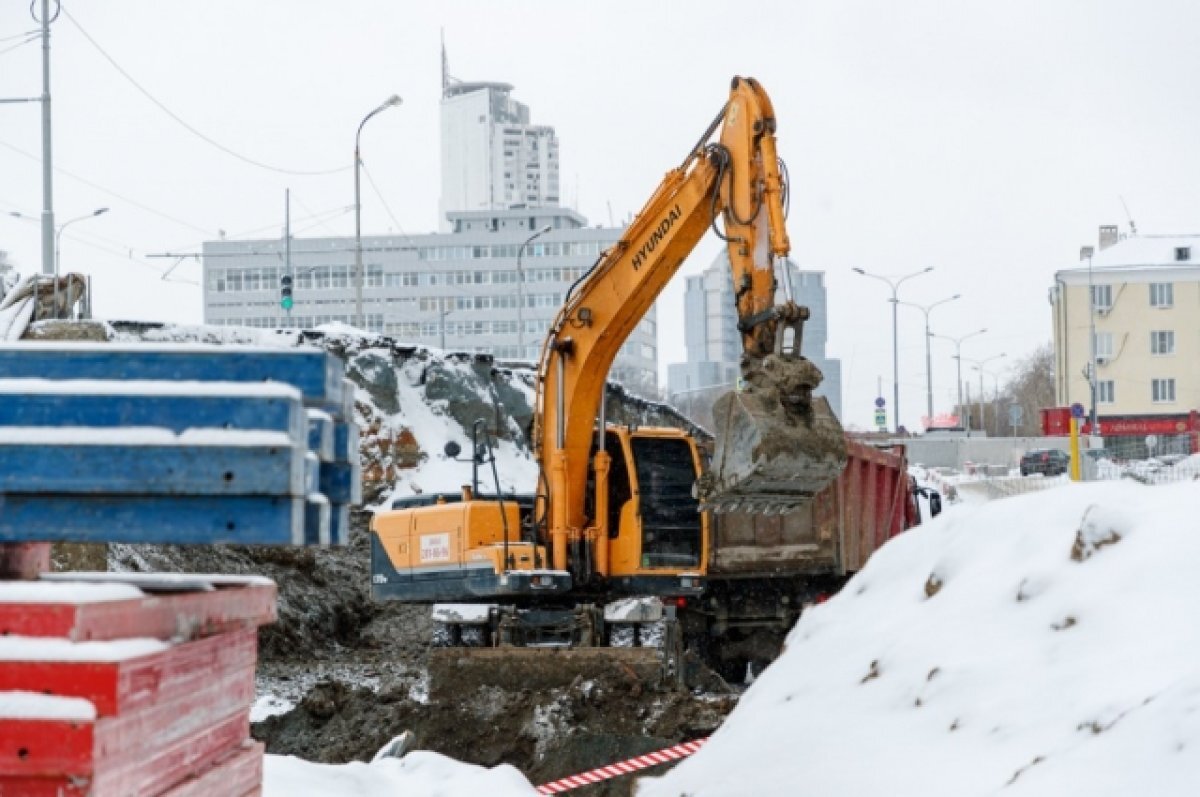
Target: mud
<point x="546" y="734"/>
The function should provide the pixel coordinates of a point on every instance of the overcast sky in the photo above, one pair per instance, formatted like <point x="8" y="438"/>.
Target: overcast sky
<point x="988" y="140"/>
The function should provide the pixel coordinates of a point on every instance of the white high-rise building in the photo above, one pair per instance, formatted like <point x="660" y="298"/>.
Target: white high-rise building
<point x="493" y="158"/>
<point x="714" y="345"/>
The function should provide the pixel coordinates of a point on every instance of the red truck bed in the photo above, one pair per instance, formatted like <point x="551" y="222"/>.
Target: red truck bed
<point x="869" y="504"/>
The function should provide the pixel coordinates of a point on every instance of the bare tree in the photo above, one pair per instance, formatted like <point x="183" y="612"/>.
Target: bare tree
<point x="1031" y="388"/>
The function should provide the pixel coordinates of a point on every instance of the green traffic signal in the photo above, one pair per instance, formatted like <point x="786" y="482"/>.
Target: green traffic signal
<point x="285" y="292"/>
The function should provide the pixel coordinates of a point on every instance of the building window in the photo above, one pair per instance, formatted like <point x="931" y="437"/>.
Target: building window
<point x="1102" y="297"/>
<point x="1106" y="392"/>
<point x="1162" y="294"/>
<point x="1162" y="341"/>
<point x="1183" y="254"/>
<point x="1163" y="391"/>
<point x="1104" y="345"/>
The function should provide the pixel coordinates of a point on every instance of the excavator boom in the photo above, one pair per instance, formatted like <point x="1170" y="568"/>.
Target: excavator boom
<point x="776" y="445"/>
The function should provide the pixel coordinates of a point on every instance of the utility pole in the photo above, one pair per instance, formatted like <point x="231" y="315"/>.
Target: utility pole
<point x="287" y="244"/>
<point x="521" y="292"/>
<point x="978" y="365"/>
<point x="442" y="322"/>
<point x="926" y="308"/>
<point x="47" y="165"/>
<point x="958" y="359"/>
<point x="894" y="284"/>
<point x="1089" y="251"/>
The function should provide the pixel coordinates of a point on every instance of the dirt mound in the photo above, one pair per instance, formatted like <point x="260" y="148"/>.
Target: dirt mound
<point x="324" y="602"/>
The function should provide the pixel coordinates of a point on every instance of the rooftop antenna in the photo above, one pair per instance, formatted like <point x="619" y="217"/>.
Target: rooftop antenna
<point x="445" y="63"/>
<point x="1128" y="215"/>
<point x="611" y="223"/>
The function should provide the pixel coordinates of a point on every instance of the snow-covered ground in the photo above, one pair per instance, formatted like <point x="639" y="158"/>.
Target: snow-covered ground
<point x="1046" y="644"/>
<point x="417" y="774"/>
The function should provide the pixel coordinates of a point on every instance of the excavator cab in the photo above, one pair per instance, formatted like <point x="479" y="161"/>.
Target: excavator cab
<point x="653" y="524"/>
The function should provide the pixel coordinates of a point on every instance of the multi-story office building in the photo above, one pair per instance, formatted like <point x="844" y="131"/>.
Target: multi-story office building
<point x="1140" y="295"/>
<point x="493" y="158"/>
<point x="713" y="343"/>
<point x="456" y="290"/>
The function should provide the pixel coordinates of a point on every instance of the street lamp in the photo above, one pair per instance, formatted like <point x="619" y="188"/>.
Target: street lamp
<point x="894" y="283"/>
<point x="995" y="394"/>
<point x="358" y="266"/>
<point x="521" y="292"/>
<point x="54" y="268"/>
<point x="58" y="236"/>
<point x="1088" y="251"/>
<point x="958" y="358"/>
<point x="926" y="308"/>
<point x="978" y="366"/>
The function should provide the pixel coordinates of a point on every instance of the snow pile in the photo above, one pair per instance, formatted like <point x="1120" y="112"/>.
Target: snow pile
<point x="432" y="425"/>
<point x="417" y="773"/>
<point x="1042" y="645"/>
<point x="1156" y="470"/>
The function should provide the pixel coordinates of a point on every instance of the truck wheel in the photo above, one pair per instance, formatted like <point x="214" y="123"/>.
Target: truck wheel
<point x="444" y="635"/>
<point x="622" y="635"/>
<point x="473" y="636"/>
<point x="652" y="635"/>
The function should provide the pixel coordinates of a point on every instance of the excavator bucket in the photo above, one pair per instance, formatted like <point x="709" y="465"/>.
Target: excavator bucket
<point x="776" y="445"/>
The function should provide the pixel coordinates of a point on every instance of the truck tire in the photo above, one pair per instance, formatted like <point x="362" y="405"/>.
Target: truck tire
<point x="473" y="636"/>
<point x="652" y="635"/>
<point x="622" y="635"/>
<point x="444" y="635"/>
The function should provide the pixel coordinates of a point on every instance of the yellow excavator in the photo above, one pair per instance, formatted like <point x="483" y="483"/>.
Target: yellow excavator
<point x="618" y="513"/>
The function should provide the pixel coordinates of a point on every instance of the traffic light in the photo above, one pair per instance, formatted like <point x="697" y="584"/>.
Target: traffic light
<point x="285" y="292"/>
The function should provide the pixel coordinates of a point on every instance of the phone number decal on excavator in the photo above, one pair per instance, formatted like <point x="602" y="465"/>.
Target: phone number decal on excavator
<point x="435" y="547"/>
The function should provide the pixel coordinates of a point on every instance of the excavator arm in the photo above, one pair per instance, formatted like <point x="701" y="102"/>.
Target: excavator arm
<point x="776" y="445"/>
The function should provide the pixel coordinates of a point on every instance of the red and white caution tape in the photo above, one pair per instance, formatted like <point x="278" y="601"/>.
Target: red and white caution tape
<point x="626" y="767"/>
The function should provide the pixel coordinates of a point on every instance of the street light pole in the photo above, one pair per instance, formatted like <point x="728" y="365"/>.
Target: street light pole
<point x="521" y="292"/>
<point x="58" y="245"/>
<point x="958" y="359"/>
<point x="358" y="266"/>
<point x="978" y="366"/>
<point x="995" y="395"/>
<point x="926" y="308"/>
<point x="1089" y="251"/>
<point x="894" y="283"/>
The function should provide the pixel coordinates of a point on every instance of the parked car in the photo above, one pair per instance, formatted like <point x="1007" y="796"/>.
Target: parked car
<point x="1048" y="461"/>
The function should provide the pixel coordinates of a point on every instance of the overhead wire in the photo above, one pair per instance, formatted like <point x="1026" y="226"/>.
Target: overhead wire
<point x="109" y="191"/>
<point x="186" y="125"/>
<point x="383" y="201"/>
<point x="9" y="49"/>
<point x="31" y="32"/>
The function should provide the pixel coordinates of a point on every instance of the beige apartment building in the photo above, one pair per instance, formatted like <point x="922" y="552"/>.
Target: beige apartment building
<point x="1140" y="295"/>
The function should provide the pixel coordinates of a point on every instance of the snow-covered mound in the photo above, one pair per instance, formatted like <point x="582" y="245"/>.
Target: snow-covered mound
<point x="415" y="774"/>
<point x="1047" y="644"/>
